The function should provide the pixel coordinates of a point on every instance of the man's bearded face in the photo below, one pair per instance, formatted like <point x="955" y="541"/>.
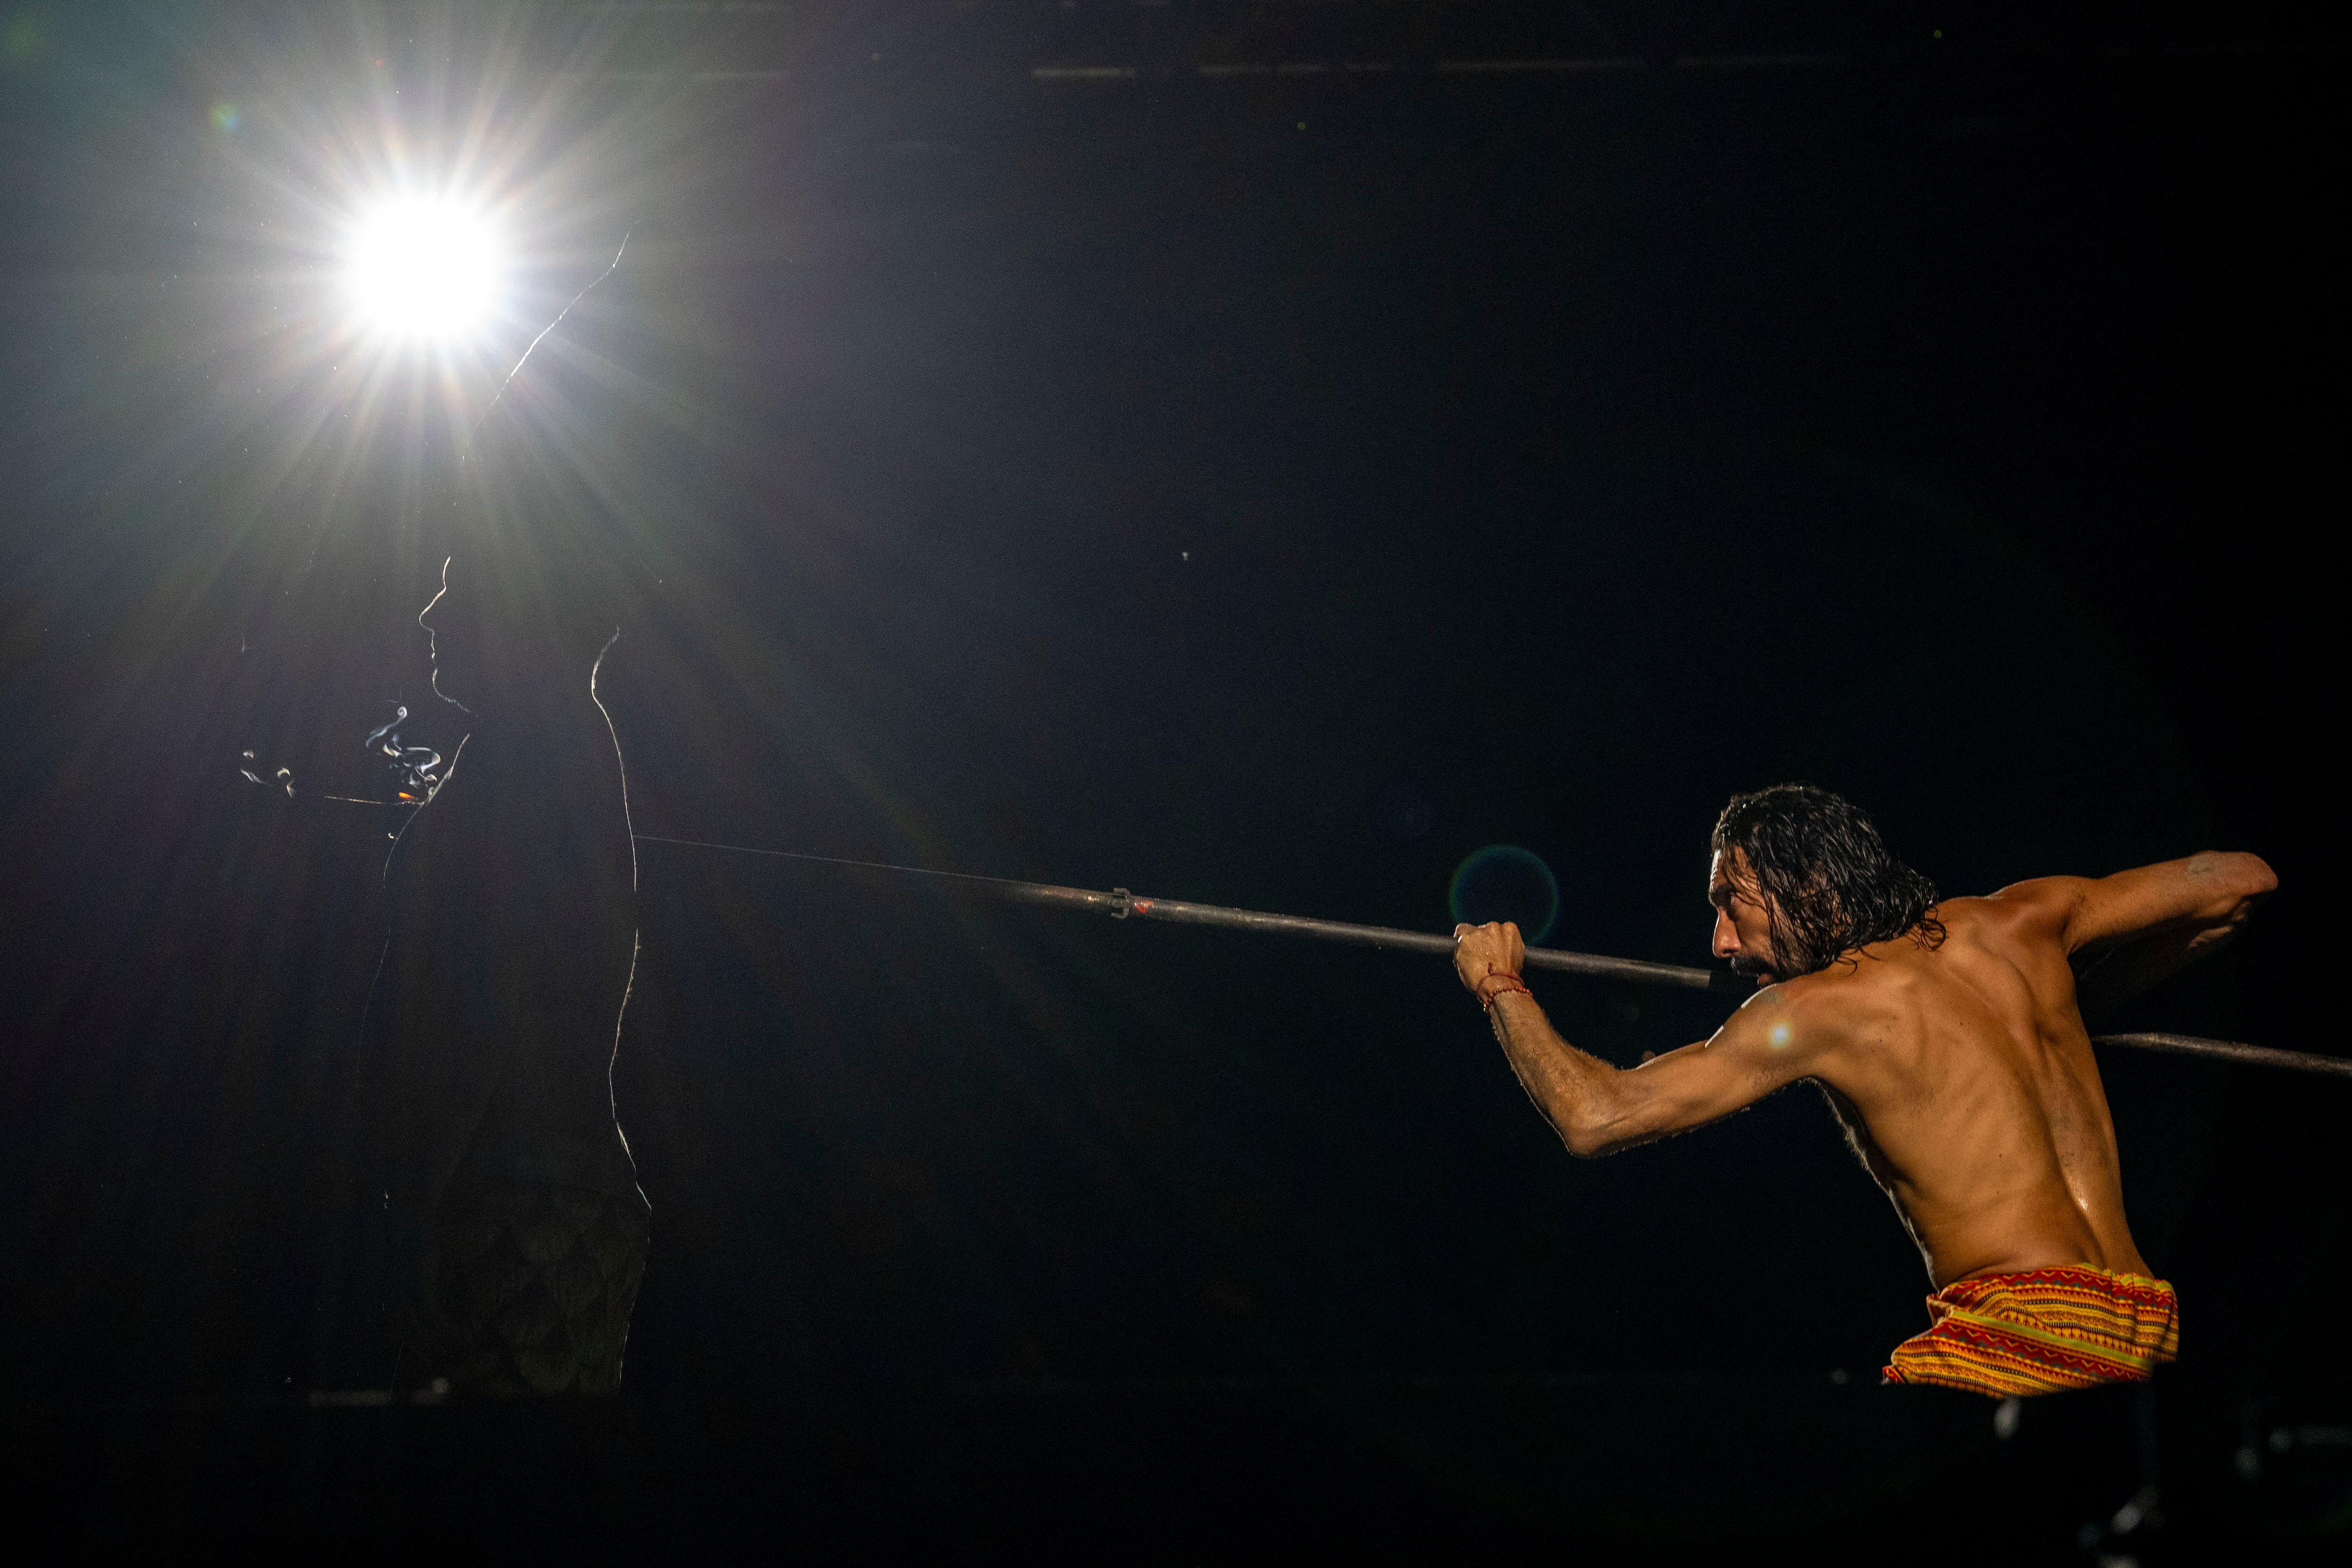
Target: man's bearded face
<point x="1743" y="923"/>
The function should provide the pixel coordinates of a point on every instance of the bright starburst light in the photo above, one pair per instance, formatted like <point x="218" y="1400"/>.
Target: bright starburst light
<point x="422" y="269"/>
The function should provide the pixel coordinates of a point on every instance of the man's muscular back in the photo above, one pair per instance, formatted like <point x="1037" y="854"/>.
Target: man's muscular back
<point x="1958" y="1060"/>
<point x="1965" y="1077"/>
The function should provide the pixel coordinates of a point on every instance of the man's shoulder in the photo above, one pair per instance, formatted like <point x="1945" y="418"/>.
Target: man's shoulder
<point x="2022" y="911"/>
<point x="1888" y="979"/>
<point x="1855" y="991"/>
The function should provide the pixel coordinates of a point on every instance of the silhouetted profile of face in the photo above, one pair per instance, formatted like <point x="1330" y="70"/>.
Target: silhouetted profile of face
<point x="505" y="639"/>
<point x="454" y="635"/>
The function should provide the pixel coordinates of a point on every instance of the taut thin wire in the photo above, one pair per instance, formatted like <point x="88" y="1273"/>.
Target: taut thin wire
<point x="551" y="326"/>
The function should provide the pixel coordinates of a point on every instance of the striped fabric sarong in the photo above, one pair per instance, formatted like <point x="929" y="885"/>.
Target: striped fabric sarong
<point x="2042" y="1331"/>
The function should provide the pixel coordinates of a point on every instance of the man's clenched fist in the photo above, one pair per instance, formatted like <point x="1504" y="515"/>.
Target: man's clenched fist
<point x="1494" y="948"/>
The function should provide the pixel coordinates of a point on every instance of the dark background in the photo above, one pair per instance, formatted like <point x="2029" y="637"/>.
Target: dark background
<point x="1249" y="487"/>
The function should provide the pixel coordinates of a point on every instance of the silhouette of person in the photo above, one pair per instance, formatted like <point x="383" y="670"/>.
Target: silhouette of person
<point x="509" y="1186"/>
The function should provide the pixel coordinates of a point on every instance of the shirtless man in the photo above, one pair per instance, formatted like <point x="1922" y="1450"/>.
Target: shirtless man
<point x="1948" y="1036"/>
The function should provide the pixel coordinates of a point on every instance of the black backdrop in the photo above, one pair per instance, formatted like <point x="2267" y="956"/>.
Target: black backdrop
<point x="1260" y="490"/>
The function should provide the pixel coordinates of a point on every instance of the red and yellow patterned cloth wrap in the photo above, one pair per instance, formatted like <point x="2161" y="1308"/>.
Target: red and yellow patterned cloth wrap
<point x="2042" y="1331"/>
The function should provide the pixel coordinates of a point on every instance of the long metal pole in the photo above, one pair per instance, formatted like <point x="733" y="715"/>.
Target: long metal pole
<point x="1120" y="904"/>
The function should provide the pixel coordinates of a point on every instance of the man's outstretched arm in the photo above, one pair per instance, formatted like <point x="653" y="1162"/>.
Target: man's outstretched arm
<point x="1597" y="1109"/>
<point x="2130" y="930"/>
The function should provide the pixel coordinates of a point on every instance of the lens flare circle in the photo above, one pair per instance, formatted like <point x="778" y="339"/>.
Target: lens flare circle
<point x="424" y="267"/>
<point x="1505" y="882"/>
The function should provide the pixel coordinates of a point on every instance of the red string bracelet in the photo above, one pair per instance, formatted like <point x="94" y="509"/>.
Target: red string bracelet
<point x="1511" y="983"/>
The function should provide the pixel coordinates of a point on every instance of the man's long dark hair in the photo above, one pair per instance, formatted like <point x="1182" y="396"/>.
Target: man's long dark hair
<point x="1831" y="885"/>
